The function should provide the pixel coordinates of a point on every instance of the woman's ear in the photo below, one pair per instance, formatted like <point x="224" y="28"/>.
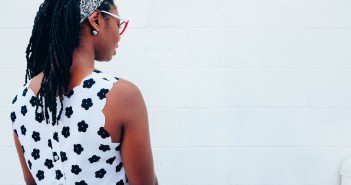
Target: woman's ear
<point x="94" y="20"/>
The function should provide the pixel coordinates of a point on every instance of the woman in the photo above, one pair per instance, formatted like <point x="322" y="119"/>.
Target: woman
<point x="72" y="123"/>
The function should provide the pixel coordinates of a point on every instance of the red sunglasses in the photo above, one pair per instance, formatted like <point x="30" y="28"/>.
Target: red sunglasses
<point x="123" y="22"/>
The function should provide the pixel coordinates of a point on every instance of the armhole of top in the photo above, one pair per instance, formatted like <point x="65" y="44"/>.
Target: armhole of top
<point x="113" y="80"/>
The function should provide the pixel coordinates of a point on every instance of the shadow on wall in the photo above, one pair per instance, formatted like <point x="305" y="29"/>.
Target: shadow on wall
<point x="345" y="172"/>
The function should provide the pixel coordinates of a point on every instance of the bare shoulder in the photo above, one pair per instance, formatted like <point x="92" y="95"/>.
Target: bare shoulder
<point x="35" y="83"/>
<point x="136" y="149"/>
<point x="126" y="98"/>
<point x="127" y="92"/>
<point x="126" y="88"/>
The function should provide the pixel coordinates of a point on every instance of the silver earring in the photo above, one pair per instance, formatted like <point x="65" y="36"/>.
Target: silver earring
<point x="95" y="32"/>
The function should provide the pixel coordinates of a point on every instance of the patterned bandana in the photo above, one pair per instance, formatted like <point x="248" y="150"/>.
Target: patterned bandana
<point x="87" y="7"/>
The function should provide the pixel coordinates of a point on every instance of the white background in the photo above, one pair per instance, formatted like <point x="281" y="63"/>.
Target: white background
<point x="239" y="92"/>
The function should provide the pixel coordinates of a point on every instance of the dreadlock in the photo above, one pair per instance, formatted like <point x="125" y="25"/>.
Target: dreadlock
<point x="55" y="34"/>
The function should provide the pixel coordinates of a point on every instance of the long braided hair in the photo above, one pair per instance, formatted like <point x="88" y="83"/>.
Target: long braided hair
<point x="56" y="33"/>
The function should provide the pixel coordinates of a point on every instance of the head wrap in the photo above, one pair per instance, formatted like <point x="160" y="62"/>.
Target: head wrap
<point x="87" y="7"/>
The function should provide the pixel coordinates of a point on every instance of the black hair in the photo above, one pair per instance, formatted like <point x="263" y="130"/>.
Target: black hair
<point x="56" y="33"/>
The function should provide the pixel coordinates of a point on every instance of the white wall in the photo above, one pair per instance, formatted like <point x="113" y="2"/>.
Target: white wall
<point x="239" y="92"/>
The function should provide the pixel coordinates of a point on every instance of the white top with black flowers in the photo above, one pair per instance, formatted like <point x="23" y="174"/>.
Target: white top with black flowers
<point x="77" y="150"/>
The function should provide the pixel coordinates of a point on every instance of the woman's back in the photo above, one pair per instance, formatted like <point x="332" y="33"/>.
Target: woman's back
<point x="96" y="133"/>
<point x="69" y="149"/>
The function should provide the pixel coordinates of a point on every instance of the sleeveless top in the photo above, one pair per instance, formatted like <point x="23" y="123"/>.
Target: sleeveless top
<point x="77" y="150"/>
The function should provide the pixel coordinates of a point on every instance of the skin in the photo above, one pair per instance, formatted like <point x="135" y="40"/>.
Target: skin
<point x="125" y="111"/>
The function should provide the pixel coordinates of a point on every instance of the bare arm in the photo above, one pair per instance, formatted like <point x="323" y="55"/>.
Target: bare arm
<point x="28" y="178"/>
<point x="136" y="150"/>
<point x="156" y="180"/>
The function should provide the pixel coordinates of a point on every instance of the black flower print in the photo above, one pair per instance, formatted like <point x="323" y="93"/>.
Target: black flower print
<point x="13" y="116"/>
<point x="118" y="148"/>
<point x="77" y="148"/>
<point x="14" y="100"/>
<point x="22" y="148"/>
<point x="94" y="159"/>
<point x="105" y="79"/>
<point x="39" y="117"/>
<point x="59" y="174"/>
<point x="70" y="93"/>
<point x="23" y="130"/>
<point x="82" y="126"/>
<point x="29" y="164"/>
<point x="49" y="143"/>
<point x="120" y="182"/>
<point x="81" y="183"/>
<point x="40" y="175"/>
<point x="110" y="160"/>
<point x="36" y="136"/>
<point x="88" y="83"/>
<point x="87" y="103"/>
<point x="119" y="167"/>
<point x="65" y="132"/>
<point x="56" y="136"/>
<point x="25" y="91"/>
<point x="33" y="101"/>
<point x="24" y="110"/>
<point x="36" y="154"/>
<point x="75" y="169"/>
<point x="63" y="156"/>
<point x="103" y="133"/>
<point x="104" y="148"/>
<point x="69" y="112"/>
<point x="100" y="174"/>
<point x="97" y="71"/>
<point x="48" y="163"/>
<point x="102" y="93"/>
<point x="116" y="78"/>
